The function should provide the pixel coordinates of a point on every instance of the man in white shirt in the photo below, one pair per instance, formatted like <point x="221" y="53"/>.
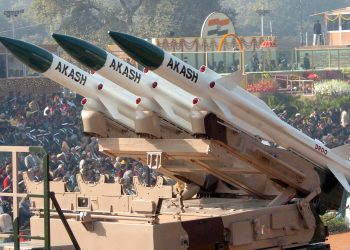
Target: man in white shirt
<point x="344" y="118"/>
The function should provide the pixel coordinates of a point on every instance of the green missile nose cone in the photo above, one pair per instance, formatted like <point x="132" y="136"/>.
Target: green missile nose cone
<point x="35" y="57"/>
<point x="138" y="49"/>
<point x="88" y="54"/>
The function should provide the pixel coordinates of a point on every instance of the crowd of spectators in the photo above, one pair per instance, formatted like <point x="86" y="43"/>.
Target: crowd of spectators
<point x="331" y="126"/>
<point x="54" y="122"/>
<point x="261" y="64"/>
<point x="256" y="64"/>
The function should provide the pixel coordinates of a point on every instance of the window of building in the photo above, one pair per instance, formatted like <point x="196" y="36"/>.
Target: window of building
<point x="216" y="62"/>
<point x="332" y="23"/>
<point x="31" y="73"/>
<point x="15" y="67"/>
<point x="345" y="22"/>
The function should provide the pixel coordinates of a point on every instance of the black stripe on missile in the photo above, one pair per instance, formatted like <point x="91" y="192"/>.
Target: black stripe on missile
<point x="217" y="32"/>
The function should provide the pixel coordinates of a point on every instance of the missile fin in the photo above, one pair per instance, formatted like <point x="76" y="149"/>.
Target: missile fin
<point x="170" y="112"/>
<point x="254" y="101"/>
<point x="243" y="125"/>
<point x="165" y="106"/>
<point x="227" y="113"/>
<point x="341" y="178"/>
<point x="95" y="105"/>
<point x="112" y="108"/>
<point x="232" y="80"/>
<point x="343" y="151"/>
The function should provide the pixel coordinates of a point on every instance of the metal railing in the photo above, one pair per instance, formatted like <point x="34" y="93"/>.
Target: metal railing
<point x="15" y="150"/>
<point x="47" y="196"/>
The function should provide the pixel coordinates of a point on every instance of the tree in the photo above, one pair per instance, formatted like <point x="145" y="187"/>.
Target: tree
<point x="91" y="19"/>
<point x="130" y="7"/>
<point x="181" y="18"/>
<point x="286" y="16"/>
<point x="86" y="19"/>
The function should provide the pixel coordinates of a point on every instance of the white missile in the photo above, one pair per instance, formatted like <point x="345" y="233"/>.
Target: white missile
<point x="236" y="103"/>
<point x="162" y="97"/>
<point x="100" y="94"/>
<point x="169" y="101"/>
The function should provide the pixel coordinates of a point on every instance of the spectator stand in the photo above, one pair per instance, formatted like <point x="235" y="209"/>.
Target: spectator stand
<point x="291" y="85"/>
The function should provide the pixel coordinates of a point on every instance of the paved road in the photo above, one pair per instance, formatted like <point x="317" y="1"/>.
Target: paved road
<point x="340" y="241"/>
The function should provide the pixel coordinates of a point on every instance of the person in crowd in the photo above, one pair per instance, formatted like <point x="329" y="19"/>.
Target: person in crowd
<point x="284" y="115"/>
<point x="53" y="162"/>
<point x="31" y="160"/>
<point x="24" y="213"/>
<point x="344" y="117"/>
<point x="307" y="64"/>
<point x="317" y="33"/>
<point x="314" y="117"/>
<point x="127" y="181"/>
<point x="7" y="183"/>
<point x="255" y="63"/>
<point x="221" y="67"/>
<point x="121" y="168"/>
<point x="59" y="172"/>
<point x="72" y="152"/>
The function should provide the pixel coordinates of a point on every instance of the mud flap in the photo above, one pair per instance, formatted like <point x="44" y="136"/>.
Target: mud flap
<point x="205" y="234"/>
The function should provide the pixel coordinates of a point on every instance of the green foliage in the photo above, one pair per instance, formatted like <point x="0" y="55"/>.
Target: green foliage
<point x="145" y="18"/>
<point x="346" y="71"/>
<point x="335" y="224"/>
<point x="282" y="102"/>
<point x="266" y="76"/>
<point x="288" y="18"/>
<point x="294" y="104"/>
<point x="91" y="19"/>
<point x="159" y="20"/>
<point x="88" y="20"/>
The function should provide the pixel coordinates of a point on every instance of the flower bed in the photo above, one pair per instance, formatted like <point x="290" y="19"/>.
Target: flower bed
<point x="332" y="88"/>
<point x="262" y="86"/>
<point x="313" y="76"/>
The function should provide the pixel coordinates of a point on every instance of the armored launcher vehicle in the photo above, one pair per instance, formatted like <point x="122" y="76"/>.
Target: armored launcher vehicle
<point x="248" y="182"/>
